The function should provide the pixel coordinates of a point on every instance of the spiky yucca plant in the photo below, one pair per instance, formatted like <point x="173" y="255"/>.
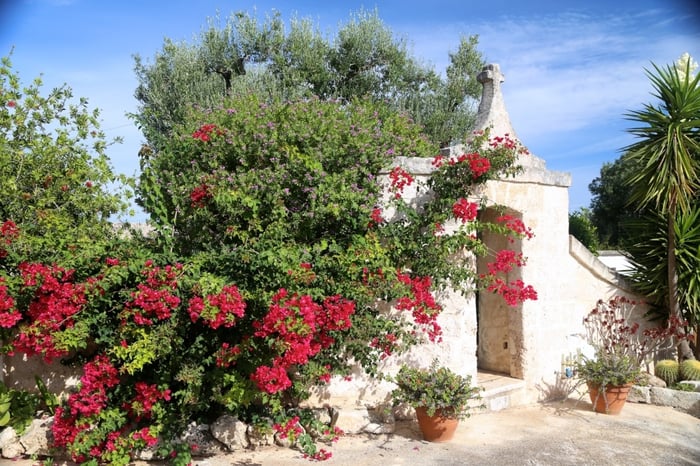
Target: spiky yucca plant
<point x="665" y="149"/>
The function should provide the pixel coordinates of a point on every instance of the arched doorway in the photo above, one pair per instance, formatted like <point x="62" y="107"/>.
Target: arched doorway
<point x="499" y="326"/>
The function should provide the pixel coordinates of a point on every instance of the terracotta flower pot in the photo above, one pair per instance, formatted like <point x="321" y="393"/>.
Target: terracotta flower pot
<point x="437" y="428"/>
<point x="610" y="402"/>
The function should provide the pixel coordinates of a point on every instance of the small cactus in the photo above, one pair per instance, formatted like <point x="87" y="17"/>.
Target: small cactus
<point x="690" y="370"/>
<point x="668" y="370"/>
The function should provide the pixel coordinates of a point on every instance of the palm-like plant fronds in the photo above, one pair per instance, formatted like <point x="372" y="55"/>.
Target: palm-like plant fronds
<point x="668" y="152"/>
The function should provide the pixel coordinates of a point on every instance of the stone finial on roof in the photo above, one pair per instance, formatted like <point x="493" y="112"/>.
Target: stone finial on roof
<point x="493" y="114"/>
<point x="492" y="110"/>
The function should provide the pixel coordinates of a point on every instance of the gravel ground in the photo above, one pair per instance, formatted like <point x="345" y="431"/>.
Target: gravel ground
<point x="556" y="433"/>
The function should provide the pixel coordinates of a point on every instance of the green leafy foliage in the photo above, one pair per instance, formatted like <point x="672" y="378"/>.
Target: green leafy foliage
<point x="17" y="408"/>
<point x="651" y="274"/>
<point x="364" y="60"/>
<point x="581" y="227"/>
<point x="610" y="208"/>
<point x="608" y="370"/>
<point x="56" y="180"/>
<point x="668" y="140"/>
<point x="666" y="150"/>
<point x="436" y="389"/>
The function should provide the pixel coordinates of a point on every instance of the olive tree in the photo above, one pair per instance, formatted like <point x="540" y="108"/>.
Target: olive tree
<point x="364" y="59"/>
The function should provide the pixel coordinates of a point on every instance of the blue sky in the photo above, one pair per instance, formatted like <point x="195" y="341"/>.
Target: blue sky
<point x="572" y="68"/>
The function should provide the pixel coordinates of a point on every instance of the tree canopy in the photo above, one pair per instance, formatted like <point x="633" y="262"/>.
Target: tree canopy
<point x="610" y="208"/>
<point x="57" y="183"/>
<point x="275" y="60"/>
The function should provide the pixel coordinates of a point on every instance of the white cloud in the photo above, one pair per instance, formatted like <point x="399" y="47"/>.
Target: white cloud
<point x="570" y="78"/>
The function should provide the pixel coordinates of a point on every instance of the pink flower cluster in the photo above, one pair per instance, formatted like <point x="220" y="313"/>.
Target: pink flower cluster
<point x="464" y="210"/>
<point x="300" y="327"/>
<point x="155" y="297"/>
<point x="8" y="233"/>
<point x="506" y="259"/>
<point x="514" y="292"/>
<point x="400" y="178"/>
<point x="55" y="301"/>
<point x="143" y="435"/>
<point x="289" y="430"/>
<point x="227" y="355"/>
<point x="218" y="310"/>
<point x="84" y="406"/>
<point x="515" y="225"/>
<point x="385" y="343"/>
<point x="9" y="315"/>
<point x="147" y="395"/>
<point x="504" y="141"/>
<point x="98" y="376"/>
<point x="422" y="305"/>
<point x="200" y="195"/>
<point x="204" y="132"/>
<point x="478" y="165"/>
<point x="375" y="218"/>
<point x="321" y="455"/>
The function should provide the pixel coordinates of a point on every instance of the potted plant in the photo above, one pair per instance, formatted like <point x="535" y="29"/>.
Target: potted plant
<point x="609" y="377"/>
<point x="621" y="349"/>
<point x="440" y="397"/>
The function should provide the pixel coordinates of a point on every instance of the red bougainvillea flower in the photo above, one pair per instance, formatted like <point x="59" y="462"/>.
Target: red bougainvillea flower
<point x="9" y="316"/>
<point x="8" y="233"/>
<point x="516" y="226"/>
<point x="400" y="178"/>
<point x="52" y="309"/>
<point x="218" y="310"/>
<point x="204" y="132"/>
<point x="155" y="297"/>
<point x="200" y="195"/>
<point x="422" y="305"/>
<point x="464" y="210"/>
<point x="271" y="379"/>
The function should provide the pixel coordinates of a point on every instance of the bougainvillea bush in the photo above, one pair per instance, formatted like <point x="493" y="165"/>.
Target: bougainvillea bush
<point x="281" y="231"/>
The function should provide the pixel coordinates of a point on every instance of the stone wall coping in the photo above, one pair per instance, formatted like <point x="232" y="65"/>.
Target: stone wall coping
<point x="589" y="261"/>
<point x="422" y="166"/>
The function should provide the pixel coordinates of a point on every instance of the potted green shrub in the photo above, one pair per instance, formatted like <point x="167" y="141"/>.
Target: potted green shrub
<point x="609" y="377"/>
<point x="440" y="397"/>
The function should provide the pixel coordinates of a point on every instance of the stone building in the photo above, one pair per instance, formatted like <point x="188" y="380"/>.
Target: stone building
<point x="515" y="353"/>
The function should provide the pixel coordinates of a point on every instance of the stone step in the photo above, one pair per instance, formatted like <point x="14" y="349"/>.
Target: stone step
<point x="500" y="391"/>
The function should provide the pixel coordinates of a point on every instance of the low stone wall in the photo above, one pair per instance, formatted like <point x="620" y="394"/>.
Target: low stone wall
<point x="688" y="402"/>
